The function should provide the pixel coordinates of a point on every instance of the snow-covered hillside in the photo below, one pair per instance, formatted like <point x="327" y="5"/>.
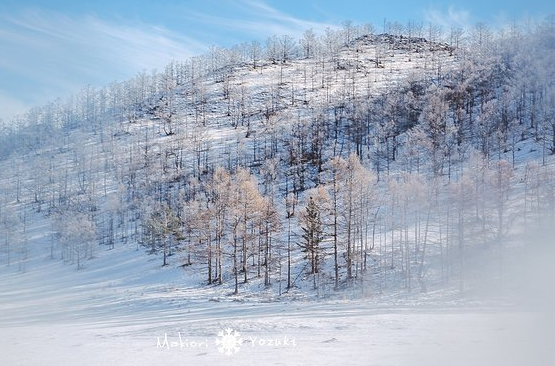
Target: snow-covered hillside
<point x="358" y="196"/>
<point x="125" y="310"/>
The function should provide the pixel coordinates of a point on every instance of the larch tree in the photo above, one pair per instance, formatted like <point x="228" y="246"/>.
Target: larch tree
<point x="337" y="168"/>
<point x="245" y="208"/>
<point x="313" y="221"/>
<point x="308" y="44"/>
<point x="434" y="119"/>
<point x="162" y="230"/>
<point x="219" y="191"/>
<point x="77" y="234"/>
<point x="9" y="221"/>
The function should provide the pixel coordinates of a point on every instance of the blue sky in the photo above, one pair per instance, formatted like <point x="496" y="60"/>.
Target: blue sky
<point x="51" y="49"/>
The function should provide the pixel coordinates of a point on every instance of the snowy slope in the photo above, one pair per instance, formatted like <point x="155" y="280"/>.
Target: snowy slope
<point x="124" y="311"/>
<point x="122" y="306"/>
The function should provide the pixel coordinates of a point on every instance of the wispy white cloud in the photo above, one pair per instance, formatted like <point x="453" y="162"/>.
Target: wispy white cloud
<point x="259" y="19"/>
<point x="142" y="44"/>
<point x="450" y="17"/>
<point x="48" y="54"/>
<point x="263" y="10"/>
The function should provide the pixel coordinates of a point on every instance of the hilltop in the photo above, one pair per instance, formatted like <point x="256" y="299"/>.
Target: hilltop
<point x="342" y="161"/>
<point x="364" y="192"/>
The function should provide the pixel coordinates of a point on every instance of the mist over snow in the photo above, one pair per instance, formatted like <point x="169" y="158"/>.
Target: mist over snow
<point x="345" y="194"/>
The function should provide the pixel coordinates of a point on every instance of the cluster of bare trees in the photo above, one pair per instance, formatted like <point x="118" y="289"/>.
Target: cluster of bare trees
<point x="414" y="229"/>
<point x="225" y="222"/>
<point x="155" y="94"/>
<point x="311" y="174"/>
<point x="409" y="228"/>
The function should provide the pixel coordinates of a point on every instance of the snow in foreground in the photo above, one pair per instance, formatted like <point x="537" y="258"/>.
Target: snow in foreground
<point x="125" y="310"/>
<point x="317" y="336"/>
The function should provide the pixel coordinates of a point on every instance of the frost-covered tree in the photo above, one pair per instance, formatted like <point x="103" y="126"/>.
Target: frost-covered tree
<point x="9" y="222"/>
<point x="308" y="44"/>
<point x="313" y="221"/>
<point x="434" y="121"/>
<point x="76" y="233"/>
<point x="165" y="109"/>
<point x="161" y="231"/>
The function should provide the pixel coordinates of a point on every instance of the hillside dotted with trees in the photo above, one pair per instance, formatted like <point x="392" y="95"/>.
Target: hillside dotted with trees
<point x="348" y="163"/>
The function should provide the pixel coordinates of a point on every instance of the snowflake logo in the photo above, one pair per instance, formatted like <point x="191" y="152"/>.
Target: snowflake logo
<point x="229" y="341"/>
